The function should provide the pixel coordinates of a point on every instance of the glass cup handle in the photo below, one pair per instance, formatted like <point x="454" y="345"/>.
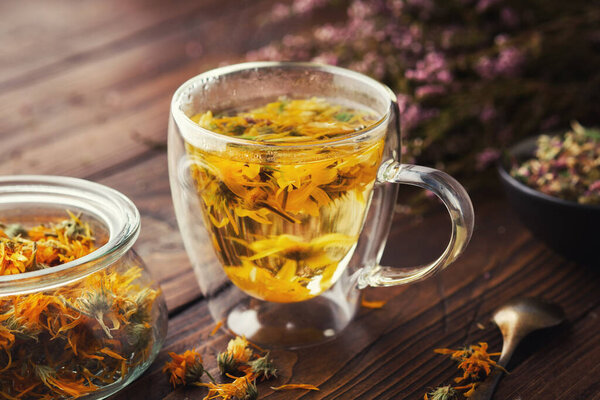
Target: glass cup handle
<point x="458" y="204"/>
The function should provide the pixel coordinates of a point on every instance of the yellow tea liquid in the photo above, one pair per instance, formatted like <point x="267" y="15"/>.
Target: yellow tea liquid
<point x="284" y="224"/>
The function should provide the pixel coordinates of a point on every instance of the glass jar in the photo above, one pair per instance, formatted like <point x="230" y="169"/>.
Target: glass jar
<point x="88" y="327"/>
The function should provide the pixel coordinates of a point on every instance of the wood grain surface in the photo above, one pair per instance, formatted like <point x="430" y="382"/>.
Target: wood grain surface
<point x="85" y="88"/>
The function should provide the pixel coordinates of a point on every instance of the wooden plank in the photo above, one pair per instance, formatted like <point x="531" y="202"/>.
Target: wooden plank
<point x="38" y="43"/>
<point x="123" y="95"/>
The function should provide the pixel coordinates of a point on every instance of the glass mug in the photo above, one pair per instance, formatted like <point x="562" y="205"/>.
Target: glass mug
<point x="282" y="235"/>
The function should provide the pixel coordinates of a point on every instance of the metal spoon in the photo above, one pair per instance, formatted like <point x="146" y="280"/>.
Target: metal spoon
<point x="517" y="319"/>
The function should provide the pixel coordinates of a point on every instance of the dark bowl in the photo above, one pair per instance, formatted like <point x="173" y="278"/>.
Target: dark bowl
<point x="569" y="228"/>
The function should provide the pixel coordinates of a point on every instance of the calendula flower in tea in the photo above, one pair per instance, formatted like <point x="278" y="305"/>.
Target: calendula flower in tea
<point x="284" y="222"/>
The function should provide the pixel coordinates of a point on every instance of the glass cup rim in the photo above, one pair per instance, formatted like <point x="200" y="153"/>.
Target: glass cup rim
<point x="181" y="118"/>
<point x="114" y="210"/>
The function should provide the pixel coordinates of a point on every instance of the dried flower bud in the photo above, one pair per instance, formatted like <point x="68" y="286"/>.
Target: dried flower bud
<point x="251" y="392"/>
<point x="227" y="364"/>
<point x="442" y="393"/>
<point x="194" y="371"/>
<point x="263" y="367"/>
<point x="14" y="230"/>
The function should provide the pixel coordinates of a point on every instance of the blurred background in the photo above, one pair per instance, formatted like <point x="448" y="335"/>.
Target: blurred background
<point x="472" y="76"/>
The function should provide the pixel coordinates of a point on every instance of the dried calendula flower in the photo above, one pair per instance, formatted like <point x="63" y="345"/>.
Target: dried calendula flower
<point x="186" y="368"/>
<point x="476" y="364"/>
<point x="442" y="393"/>
<point x="240" y="358"/>
<point x="262" y="367"/>
<point x="474" y="360"/>
<point x="242" y="388"/>
<point x="14" y="230"/>
<point x="237" y="354"/>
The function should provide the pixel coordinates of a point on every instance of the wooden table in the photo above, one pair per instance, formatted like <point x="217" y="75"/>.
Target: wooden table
<point x="84" y="91"/>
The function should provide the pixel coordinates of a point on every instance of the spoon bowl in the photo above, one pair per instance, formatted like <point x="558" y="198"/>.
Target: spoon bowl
<point x="519" y="317"/>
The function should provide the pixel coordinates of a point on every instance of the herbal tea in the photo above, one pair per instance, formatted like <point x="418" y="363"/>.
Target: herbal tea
<point x="284" y="224"/>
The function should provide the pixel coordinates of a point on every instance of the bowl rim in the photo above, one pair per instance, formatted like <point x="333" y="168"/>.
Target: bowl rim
<point x="521" y="147"/>
<point x="114" y="210"/>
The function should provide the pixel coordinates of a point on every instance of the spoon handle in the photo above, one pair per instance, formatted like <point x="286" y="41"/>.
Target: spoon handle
<point x="485" y="390"/>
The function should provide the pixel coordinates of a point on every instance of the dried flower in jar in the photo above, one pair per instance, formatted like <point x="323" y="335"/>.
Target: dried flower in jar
<point x="76" y="339"/>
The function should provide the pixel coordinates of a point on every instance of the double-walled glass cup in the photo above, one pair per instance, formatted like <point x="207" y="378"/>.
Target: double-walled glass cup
<point x="90" y="326"/>
<point x="282" y="235"/>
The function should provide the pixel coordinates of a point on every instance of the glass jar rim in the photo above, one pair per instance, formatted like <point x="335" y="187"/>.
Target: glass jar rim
<point x="113" y="209"/>
<point x="184" y="91"/>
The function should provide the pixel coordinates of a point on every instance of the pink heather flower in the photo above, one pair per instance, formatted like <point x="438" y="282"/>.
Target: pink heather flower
<point x="371" y="64"/>
<point x="501" y="40"/>
<point x="486" y="158"/>
<point x="510" y="61"/>
<point x="487" y="114"/>
<point x="509" y="17"/>
<point x="279" y="12"/>
<point x="326" y="58"/>
<point x="595" y="186"/>
<point x="444" y="76"/>
<point x="403" y="101"/>
<point x="360" y="10"/>
<point x="431" y="69"/>
<point x="306" y="6"/>
<point x="327" y="33"/>
<point x="396" y="6"/>
<point x="410" y="117"/>
<point x="483" y="5"/>
<point x="294" y="41"/>
<point x="428" y="90"/>
<point x="485" y="68"/>
<point x="413" y="115"/>
<point x="267" y="53"/>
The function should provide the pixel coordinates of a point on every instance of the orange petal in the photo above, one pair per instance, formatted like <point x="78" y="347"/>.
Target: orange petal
<point x="293" y="386"/>
<point x="371" y="304"/>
